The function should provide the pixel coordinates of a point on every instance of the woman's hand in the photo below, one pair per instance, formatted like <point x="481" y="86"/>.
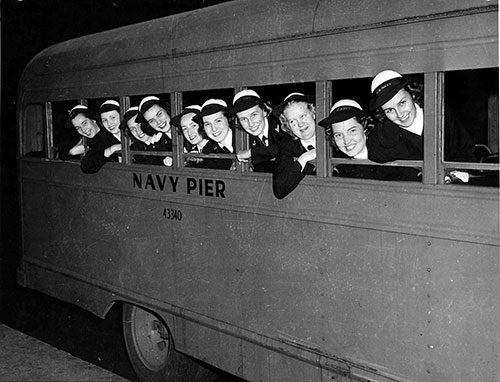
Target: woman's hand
<point x="112" y="149"/>
<point x="244" y="155"/>
<point x="308" y="156"/>
<point x="456" y="176"/>
<point x="167" y="161"/>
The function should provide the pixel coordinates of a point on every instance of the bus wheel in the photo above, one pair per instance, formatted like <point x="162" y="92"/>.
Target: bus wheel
<point x="150" y="349"/>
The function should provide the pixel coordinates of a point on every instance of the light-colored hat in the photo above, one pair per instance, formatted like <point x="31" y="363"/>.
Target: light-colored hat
<point x="176" y="121"/>
<point x="385" y="85"/>
<point x="109" y="105"/>
<point x="148" y="99"/>
<point x="212" y="106"/>
<point x="292" y="97"/>
<point x="342" y="111"/>
<point x="244" y="100"/>
<point x="77" y="107"/>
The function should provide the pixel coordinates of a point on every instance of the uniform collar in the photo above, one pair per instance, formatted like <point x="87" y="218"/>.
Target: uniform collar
<point x="265" y="131"/>
<point x="309" y="142"/>
<point x="155" y="138"/>
<point x="228" y="141"/>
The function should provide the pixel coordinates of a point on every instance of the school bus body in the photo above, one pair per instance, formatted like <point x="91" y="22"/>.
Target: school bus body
<point x="345" y="278"/>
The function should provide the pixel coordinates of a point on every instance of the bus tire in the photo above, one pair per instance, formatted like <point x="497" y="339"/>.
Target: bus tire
<point x="150" y="349"/>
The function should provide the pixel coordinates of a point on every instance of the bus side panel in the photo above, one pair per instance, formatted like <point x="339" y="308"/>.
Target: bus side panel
<point x="419" y="307"/>
<point x="370" y="297"/>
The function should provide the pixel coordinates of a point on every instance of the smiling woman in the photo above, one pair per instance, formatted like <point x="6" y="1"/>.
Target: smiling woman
<point x="102" y="145"/>
<point x="296" y="157"/>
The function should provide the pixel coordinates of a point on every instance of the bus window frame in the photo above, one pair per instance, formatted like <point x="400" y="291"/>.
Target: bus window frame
<point x="433" y="166"/>
<point x="49" y="135"/>
<point x="240" y="138"/>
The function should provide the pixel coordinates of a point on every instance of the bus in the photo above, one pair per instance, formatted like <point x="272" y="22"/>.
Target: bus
<point x="342" y="280"/>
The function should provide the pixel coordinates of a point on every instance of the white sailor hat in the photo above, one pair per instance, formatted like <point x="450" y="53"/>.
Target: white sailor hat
<point x="109" y="105"/>
<point x="292" y="97"/>
<point x="244" y="100"/>
<point x="342" y="111"/>
<point x="212" y="106"/>
<point x="385" y="85"/>
<point x="176" y="121"/>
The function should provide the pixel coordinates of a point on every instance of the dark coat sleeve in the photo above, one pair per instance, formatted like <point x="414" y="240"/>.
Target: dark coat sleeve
<point x="388" y="142"/>
<point x="287" y="170"/>
<point x="262" y="153"/>
<point x="215" y="163"/>
<point x="94" y="159"/>
<point x="263" y="157"/>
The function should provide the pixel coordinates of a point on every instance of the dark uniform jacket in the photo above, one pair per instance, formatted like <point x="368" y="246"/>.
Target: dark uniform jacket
<point x="94" y="159"/>
<point x="211" y="147"/>
<point x="163" y="144"/>
<point x="287" y="172"/>
<point x="387" y="142"/>
<point x="263" y="157"/>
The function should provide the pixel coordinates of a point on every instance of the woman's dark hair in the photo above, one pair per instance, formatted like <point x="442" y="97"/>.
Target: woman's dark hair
<point x="163" y="103"/>
<point x="144" y="127"/>
<point x="87" y="113"/>
<point x="201" y="130"/>
<point x="415" y="88"/>
<point x="365" y="120"/>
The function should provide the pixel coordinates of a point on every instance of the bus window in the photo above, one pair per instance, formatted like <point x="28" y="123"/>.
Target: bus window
<point x="33" y="129"/>
<point x="65" y="137"/>
<point x="348" y="127"/>
<point x="150" y="134"/>
<point x="471" y="126"/>
<point x="221" y="140"/>
<point x="347" y="93"/>
<point x="263" y="143"/>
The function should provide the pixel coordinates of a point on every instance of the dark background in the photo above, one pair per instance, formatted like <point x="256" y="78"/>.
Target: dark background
<point x="28" y="27"/>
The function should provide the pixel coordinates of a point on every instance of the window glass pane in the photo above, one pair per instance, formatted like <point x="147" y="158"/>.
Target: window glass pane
<point x="33" y="131"/>
<point x="471" y="123"/>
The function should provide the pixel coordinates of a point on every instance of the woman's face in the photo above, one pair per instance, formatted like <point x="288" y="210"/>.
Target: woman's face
<point x="111" y="121"/>
<point x="252" y="120"/>
<point x="401" y="109"/>
<point x="85" y="126"/>
<point x="190" y="129"/>
<point x="349" y="136"/>
<point x="301" y="120"/>
<point x="216" y="126"/>
<point x="136" y="131"/>
<point x="158" y="118"/>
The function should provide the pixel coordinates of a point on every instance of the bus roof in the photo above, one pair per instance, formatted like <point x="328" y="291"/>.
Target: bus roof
<point x="257" y="42"/>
